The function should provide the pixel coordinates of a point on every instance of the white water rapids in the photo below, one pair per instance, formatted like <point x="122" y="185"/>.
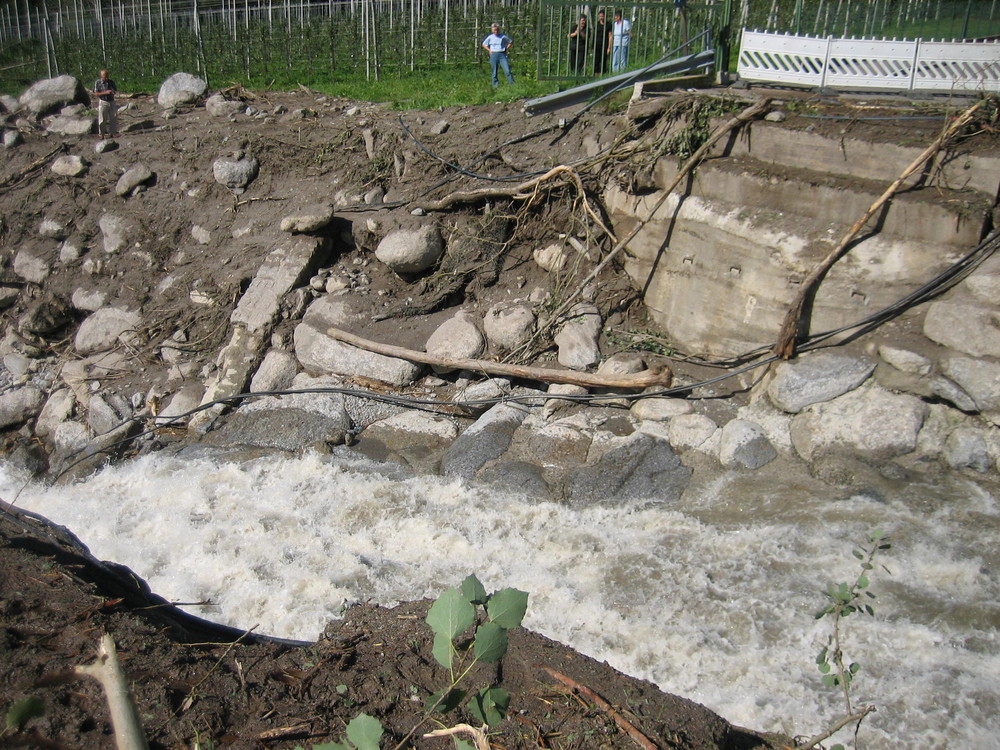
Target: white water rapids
<point x="712" y="599"/>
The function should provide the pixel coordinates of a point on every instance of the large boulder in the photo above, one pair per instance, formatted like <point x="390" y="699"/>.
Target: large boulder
<point x="816" y="377"/>
<point x="457" y="337"/>
<point x="508" y="325"/>
<point x="577" y="339"/>
<point x="181" y="88"/>
<point x="53" y="93"/>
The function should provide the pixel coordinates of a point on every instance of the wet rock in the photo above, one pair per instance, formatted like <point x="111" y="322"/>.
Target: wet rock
<point x="409" y="251"/>
<point x="508" y="325"/>
<point x="487" y="439"/>
<point x="577" y="339"/>
<point x="105" y="329"/>
<point x="637" y="467"/>
<point x="518" y="478"/>
<point x="816" y="377"/>
<point x="966" y="449"/>
<point x="288" y="423"/>
<point x="180" y="88"/>
<point x="19" y="405"/>
<point x="743" y="445"/>
<point x="235" y="172"/>
<point x="27" y="457"/>
<point x="52" y="93"/>
<point x="457" y="337"/>
<point x="133" y="178"/>
<point x="70" y="165"/>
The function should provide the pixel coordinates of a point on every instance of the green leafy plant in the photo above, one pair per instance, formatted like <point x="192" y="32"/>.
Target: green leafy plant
<point x="363" y="732"/>
<point x="845" y="599"/>
<point x="640" y="340"/>
<point x="21" y="713"/>
<point x="450" y="617"/>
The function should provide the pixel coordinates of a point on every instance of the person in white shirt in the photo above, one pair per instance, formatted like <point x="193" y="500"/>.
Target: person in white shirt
<point x="497" y="45"/>
<point x="621" y="35"/>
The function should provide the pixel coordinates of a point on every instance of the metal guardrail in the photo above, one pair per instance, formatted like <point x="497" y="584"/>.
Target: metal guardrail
<point x="869" y="64"/>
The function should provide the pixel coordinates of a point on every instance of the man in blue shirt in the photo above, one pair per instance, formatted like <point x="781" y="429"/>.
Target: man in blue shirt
<point x="497" y="45"/>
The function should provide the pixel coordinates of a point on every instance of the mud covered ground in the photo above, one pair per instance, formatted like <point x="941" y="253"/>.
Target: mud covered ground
<point x="200" y="687"/>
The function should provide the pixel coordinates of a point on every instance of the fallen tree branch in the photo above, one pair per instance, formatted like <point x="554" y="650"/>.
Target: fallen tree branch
<point x="785" y="346"/>
<point x="743" y="117"/>
<point x="478" y="736"/>
<point x="660" y="376"/>
<point x="124" y="717"/>
<point x="624" y="724"/>
<point x="857" y="716"/>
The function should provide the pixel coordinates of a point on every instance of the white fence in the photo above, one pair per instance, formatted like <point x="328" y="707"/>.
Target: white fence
<point x="869" y="64"/>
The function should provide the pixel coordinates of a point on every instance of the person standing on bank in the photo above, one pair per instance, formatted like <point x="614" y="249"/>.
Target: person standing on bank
<point x="497" y="45"/>
<point x="578" y="46"/>
<point x="621" y="36"/>
<point x="601" y="32"/>
<point x="107" y="117"/>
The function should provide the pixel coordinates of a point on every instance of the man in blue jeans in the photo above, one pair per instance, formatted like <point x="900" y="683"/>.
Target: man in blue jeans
<point x="497" y="45"/>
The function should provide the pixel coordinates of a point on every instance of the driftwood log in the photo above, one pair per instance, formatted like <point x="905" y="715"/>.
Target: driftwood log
<point x="789" y="333"/>
<point x="660" y="376"/>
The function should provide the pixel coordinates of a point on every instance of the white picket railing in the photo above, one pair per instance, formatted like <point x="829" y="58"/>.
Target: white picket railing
<point x="869" y="64"/>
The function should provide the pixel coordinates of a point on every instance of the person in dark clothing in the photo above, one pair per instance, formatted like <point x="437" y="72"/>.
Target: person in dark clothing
<point x="578" y="46"/>
<point x="601" y="31"/>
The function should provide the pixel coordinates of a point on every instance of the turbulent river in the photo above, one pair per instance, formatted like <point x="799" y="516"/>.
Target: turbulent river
<point x="712" y="598"/>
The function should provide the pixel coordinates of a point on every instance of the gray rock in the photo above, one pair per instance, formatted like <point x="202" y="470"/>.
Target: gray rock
<point x="985" y="287"/>
<point x="57" y="409"/>
<point x="118" y="233"/>
<point x="508" y="325"/>
<point x="17" y="365"/>
<point x="107" y="412"/>
<point x="318" y="353"/>
<point x="816" y="377"/>
<point x="219" y="106"/>
<point x="135" y="176"/>
<point x="660" y="409"/>
<point x="89" y="300"/>
<point x="27" y="457"/>
<point x="577" y="339"/>
<point x="457" y="337"/>
<point x="235" y="172"/>
<point x="440" y="127"/>
<point x="966" y="449"/>
<point x="743" y="445"/>
<point x="688" y="431"/>
<point x="19" y="405"/>
<point x="51" y="93"/>
<point x="979" y="378"/>
<point x="32" y="263"/>
<point x="69" y="124"/>
<point x="104" y="145"/>
<point x="485" y="440"/>
<point x="8" y="103"/>
<point x="517" y="477"/>
<point x="180" y="406"/>
<point x="52" y="229"/>
<point x="276" y="372"/>
<point x="309" y="219"/>
<point x="12" y="138"/>
<point x="107" y="328"/>
<point x="868" y="420"/>
<point x="44" y="316"/>
<point x="972" y="329"/>
<point x="409" y="251"/>
<point x="551" y="258"/>
<point x="70" y="165"/>
<point x="69" y="438"/>
<point x="555" y="405"/>
<point x="288" y="423"/>
<point x="640" y="467"/>
<point x="905" y="360"/>
<point x="180" y="88"/>
<point x="949" y="391"/>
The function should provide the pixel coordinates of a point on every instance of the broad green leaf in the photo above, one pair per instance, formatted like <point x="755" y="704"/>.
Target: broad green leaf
<point x="507" y="607"/>
<point x="877" y="534"/>
<point x="855" y="668"/>
<point x="24" y="711"/>
<point x="858" y="554"/>
<point x="451" y="614"/>
<point x="824" y="667"/>
<point x="442" y="650"/>
<point x="365" y="732"/>
<point x="452" y="700"/>
<point x="490" y="706"/>
<point x="473" y="590"/>
<point x="837" y="747"/>
<point x="863" y="582"/>
<point x="830" y="680"/>
<point x="491" y="642"/>
<point x="821" y="656"/>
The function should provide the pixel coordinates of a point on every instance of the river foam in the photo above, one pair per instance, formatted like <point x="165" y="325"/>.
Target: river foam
<point x="712" y="599"/>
